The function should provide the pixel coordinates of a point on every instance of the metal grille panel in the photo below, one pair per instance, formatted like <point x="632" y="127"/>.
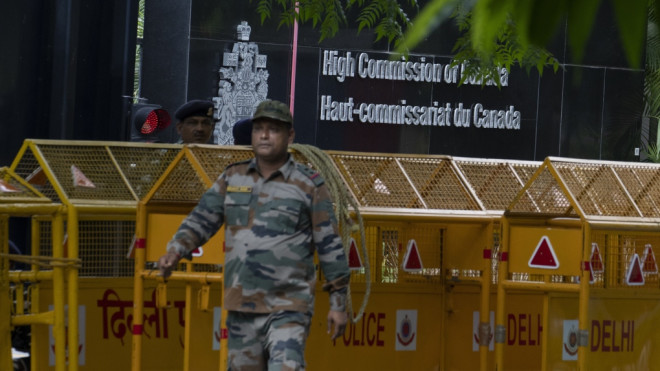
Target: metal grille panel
<point x="96" y="165"/>
<point x="495" y="183"/>
<point x="525" y="171"/>
<point x="376" y="181"/>
<point x="390" y="256"/>
<point x="596" y="190"/>
<point x="642" y="184"/>
<point x="45" y="243"/>
<point x="617" y="252"/>
<point x="181" y="184"/>
<point x="438" y="184"/>
<point x="106" y="171"/>
<point x="14" y="191"/>
<point x="29" y="169"/>
<point x="544" y="196"/>
<point x="103" y="246"/>
<point x="599" y="189"/>
<point x="143" y="166"/>
<point x="215" y="160"/>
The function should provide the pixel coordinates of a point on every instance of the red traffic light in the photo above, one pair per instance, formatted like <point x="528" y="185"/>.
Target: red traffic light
<point x="150" y="118"/>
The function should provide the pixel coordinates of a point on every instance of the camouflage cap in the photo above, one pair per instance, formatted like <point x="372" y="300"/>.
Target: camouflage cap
<point x="273" y="109"/>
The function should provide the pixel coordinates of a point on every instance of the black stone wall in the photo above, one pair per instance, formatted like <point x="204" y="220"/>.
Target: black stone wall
<point x="68" y="70"/>
<point x="587" y="110"/>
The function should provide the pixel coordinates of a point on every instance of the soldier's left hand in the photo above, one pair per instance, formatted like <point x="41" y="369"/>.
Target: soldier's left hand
<point x="339" y="319"/>
<point x="167" y="263"/>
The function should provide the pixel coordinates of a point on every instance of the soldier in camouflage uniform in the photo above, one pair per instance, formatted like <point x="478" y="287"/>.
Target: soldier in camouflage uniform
<point x="276" y="213"/>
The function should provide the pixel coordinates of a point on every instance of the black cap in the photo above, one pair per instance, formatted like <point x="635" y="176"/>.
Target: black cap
<point x="242" y="132"/>
<point x="195" y="108"/>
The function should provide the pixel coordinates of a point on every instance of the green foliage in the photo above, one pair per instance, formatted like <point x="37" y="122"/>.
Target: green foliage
<point x="652" y="75"/>
<point x="326" y="15"/>
<point x="264" y="8"/>
<point x="507" y="51"/>
<point x="652" y="152"/>
<point x="631" y="18"/>
<point x="651" y="148"/>
<point x="430" y="17"/>
<point x="536" y="20"/>
<point x="385" y="17"/>
<point x="500" y="32"/>
<point x="492" y="36"/>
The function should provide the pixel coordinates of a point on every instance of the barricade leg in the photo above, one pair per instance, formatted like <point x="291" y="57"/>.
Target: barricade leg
<point x="58" y="295"/>
<point x="138" y="288"/>
<point x="484" y="311"/>
<point x="502" y="273"/>
<point x="5" y="300"/>
<point x="583" y="302"/>
<point x="72" y="275"/>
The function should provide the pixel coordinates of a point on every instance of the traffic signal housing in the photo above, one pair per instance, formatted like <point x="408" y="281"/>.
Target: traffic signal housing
<point x="147" y="120"/>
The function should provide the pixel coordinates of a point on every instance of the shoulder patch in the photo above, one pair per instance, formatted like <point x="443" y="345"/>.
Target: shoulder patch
<point x="313" y="175"/>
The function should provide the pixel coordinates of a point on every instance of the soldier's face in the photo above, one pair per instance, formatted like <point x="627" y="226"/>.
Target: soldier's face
<point x="271" y="139"/>
<point x="195" y="129"/>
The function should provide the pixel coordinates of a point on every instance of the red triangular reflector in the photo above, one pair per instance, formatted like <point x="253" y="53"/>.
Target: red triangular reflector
<point x="354" y="261"/>
<point x="544" y="255"/>
<point x="198" y="252"/>
<point x="412" y="261"/>
<point x="79" y="179"/>
<point x="649" y="265"/>
<point x="37" y="177"/>
<point x="6" y="187"/>
<point x="596" y="260"/>
<point x="634" y="276"/>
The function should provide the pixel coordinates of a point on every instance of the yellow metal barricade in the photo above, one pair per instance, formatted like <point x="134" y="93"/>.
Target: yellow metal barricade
<point x="439" y="315"/>
<point x="17" y="197"/>
<point x="579" y="240"/>
<point x="159" y="214"/>
<point x="83" y="222"/>
<point x="432" y="308"/>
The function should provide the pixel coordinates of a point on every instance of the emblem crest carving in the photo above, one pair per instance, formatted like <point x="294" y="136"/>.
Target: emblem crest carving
<point x="243" y="84"/>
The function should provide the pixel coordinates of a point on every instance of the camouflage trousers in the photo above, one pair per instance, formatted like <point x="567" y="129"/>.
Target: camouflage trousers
<point x="267" y="341"/>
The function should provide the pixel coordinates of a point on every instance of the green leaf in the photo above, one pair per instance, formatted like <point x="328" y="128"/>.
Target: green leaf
<point x="652" y="41"/>
<point x="369" y="15"/>
<point x="544" y="17"/>
<point x="521" y="16"/>
<point x="489" y="17"/>
<point x="426" y="21"/>
<point x="264" y="8"/>
<point x="581" y="16"/>
<point x="631" y="18"/>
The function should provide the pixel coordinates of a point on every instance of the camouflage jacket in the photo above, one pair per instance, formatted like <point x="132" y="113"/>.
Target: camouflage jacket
<point x="272" y="228"/>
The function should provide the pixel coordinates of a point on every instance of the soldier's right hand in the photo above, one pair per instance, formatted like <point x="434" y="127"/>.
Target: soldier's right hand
<point x="167" y="263"/>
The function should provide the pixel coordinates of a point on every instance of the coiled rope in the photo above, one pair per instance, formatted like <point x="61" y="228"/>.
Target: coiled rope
<point x="343" y="204"/>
